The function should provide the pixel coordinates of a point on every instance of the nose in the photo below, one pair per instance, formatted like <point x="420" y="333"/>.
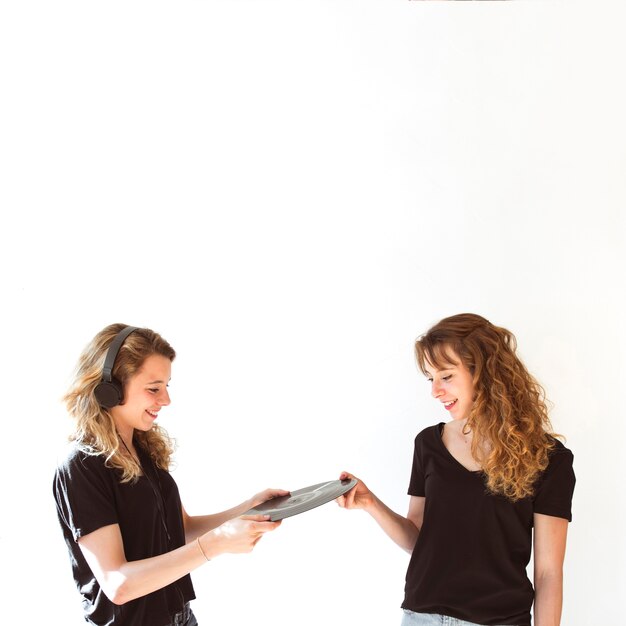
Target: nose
<point x="436" y="389"/>
<point x="164" y="397"/>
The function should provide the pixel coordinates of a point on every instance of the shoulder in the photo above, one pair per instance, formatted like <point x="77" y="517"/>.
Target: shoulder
<point x="429" y="433"/>
<point x="77" y="460"/>
<point x="559" y="455"/>
<point x="555" y="486"/>
<point x="77" y="454"/>
<point x="559" y="446"/>
<point x="427" y="440"/>
<point x="560" y="468"/>
<point x="83" y="476"/>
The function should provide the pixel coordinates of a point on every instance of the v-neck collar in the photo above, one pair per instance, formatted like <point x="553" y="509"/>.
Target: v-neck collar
<point x="440" y="428"/>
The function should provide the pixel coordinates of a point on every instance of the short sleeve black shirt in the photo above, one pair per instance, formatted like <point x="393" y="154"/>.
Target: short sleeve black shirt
<point x="470" y="558"/>
<point x="89" y="496"/>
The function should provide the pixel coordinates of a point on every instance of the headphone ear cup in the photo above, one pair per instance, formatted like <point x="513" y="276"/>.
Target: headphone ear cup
<point x="109" y="394"/>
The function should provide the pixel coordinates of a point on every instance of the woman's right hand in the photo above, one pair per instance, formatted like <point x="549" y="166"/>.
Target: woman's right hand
<point x="402" y="530"/>
<point x="241" y="534"/>
<point x="359" y="497"/>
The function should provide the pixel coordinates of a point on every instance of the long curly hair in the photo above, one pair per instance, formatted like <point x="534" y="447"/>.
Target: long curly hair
<point x="94" y="429"/>
<point x="512" y="435"/>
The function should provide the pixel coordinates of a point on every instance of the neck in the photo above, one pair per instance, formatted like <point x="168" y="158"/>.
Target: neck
<point x="127" y="439"/>
<point x="460" y="425"/>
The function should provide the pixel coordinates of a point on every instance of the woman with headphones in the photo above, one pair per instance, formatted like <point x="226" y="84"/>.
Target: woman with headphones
<point x="487" y="488"/>
<point x="130" y="540"/>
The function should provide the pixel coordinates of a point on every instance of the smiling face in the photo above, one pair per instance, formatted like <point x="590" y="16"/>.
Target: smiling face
<point x="452" y="385"/>
<point x="144" y="395"/>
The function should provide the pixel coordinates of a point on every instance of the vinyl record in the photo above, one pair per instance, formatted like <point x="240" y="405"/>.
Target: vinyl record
<point x="303" y="499"/>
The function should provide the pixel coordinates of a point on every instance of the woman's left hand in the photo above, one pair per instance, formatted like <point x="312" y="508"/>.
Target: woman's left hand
<point x="266" y="495"/>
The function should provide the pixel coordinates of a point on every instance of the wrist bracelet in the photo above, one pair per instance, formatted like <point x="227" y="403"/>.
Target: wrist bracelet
<point x="201" y="550"/>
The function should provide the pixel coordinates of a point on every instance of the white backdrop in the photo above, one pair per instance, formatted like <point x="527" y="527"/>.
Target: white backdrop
<point x="291" y="193"/>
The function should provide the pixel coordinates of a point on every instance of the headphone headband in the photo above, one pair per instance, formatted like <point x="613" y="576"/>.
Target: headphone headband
<point x="108" y="391"/>
<point x="114" y="348"/>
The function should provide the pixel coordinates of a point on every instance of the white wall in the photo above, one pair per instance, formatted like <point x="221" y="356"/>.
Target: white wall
<point x="290" y="193"/>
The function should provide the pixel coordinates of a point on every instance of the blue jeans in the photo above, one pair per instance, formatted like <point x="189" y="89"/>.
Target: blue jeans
<point x="432" y="619"/>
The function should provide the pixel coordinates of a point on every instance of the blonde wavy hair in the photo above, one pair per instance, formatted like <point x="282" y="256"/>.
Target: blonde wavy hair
<point x="94" y="428"/>
<point x="512" y="434"/>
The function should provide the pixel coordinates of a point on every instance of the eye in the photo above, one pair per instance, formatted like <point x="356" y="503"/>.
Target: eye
<point x="153" y="390"/>
<point x="448" y="377"/>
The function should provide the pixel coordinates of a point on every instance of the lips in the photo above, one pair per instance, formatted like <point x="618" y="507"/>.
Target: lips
<point x="152" y="414"/>
<point x="448" y="405"/>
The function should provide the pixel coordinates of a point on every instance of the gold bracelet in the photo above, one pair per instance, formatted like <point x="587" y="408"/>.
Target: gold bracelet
<point x="201" y="550"/>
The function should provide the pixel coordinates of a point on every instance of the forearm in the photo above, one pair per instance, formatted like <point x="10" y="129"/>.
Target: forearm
<point x="133" y="579"/>
<point x="197" y="525"/>
<point x="548" y="599"/>
<point x="399" y="529"/>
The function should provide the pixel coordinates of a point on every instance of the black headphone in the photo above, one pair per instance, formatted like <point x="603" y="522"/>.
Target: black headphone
<point x="108" y="391"/>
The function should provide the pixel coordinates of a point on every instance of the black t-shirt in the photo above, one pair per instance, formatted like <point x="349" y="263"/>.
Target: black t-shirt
<point x="89" y="495"/>
<point x="470" y="558"/>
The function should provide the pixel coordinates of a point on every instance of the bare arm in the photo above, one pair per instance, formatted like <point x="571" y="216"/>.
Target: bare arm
<point x="123" y="580"/>
<point x="550" y="537"/>
<point x="401" y="530"/>
<point x="196" y="525"/>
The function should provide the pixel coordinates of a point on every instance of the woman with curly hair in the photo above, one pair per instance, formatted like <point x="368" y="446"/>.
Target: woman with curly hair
<point x="487" y="488"/>
<point x="131" y="542"/>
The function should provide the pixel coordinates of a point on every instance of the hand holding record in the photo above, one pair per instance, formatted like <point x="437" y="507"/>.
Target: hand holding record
<point x="359" y="496"/>
<point x="267" y="494"/>
<point x="241" y="534"/>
